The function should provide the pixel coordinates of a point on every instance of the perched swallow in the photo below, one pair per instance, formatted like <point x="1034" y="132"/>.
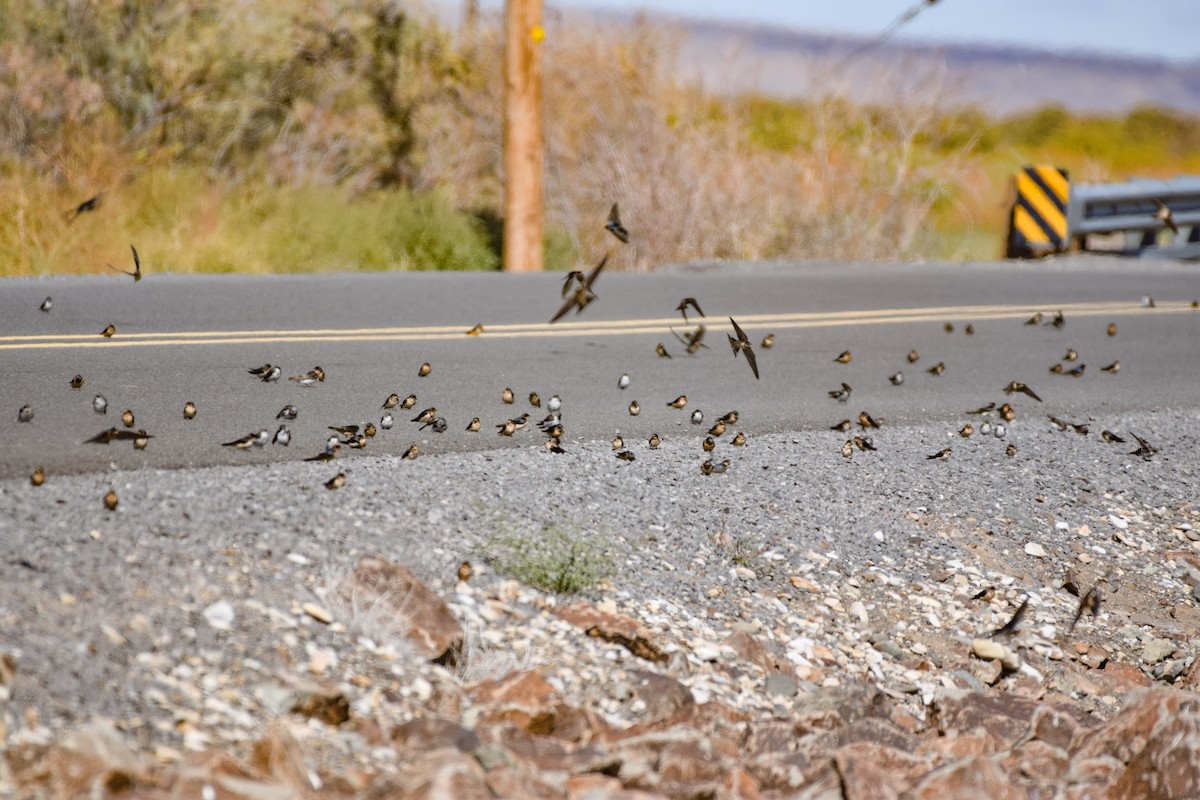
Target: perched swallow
<point x="864" y="443"/>
<point x="613" y="225"/>
<point x="412" y="452"/>
<point x="108" y="332"/>
<point x="1035" y="319"/>
<point x="77" y="382"/>
<point x="426" y="415"/>
<point x="913" y="355"/>
<point x="999" y="431"/>
<point x="730" y="418"/>
<point x="554" y="431"/>
<point x="989" y="408"/>
<point x="336" y="482"/>
<point x="309" y="378"/>
<point x="718" y="429"/>
<point x="47" y="304"/>
<point x="507" y="396"/>
<point x="554" y="404"/>
<point x="844" y="358"/>
<point x="719" y="469"/>
<point x="1145" y="449"/>
<point x="473" y="425"/>
<point x="550" y="421"/>
<point x="1058" y="321"/>
<point x="507" y="428"/>
<point x="985" y="429"/>
<point x="282" y="436"/>
<point x="966" y="430"/>
<point x="697" y="417"/>
<point x="706" y="468"/>
<point x="1164" y="215"/>
<point x="387" y="421"/>
<point x="331" y="452"/>
<point x="25" y="413"/>
<point x="1058" y="423"/>
<point x="986" y="594"/>
<point x="409" y="402"/>
<point x="623" y="382"/>
<point x="655" y="441"/>
<point x="1081" y="429"/>
<point x="1089" y="603"/>
<point x="1057" y="369"/>
<point x="865" y="420"/>
<point x="554" y="446"/>
<point x="437" y="423"/>
<point x="618" y="443"/>
<point x="742" y="344"/>
<point x="392" y="401"/>
<point x="127" y="418"/>
<point x="678" y="402"/>
<point x="1111" y="437"/>
<point x="1007" y="413"/>
<point x="91" y="204"/>
<point x="661" y="351"/>
<point x="841" y="427"/>
<point x="1010" y="627"/>
<point x="969" y="330"/>
<point x="535" y="400"/>
<point x="1071" y="355"/>
<point x="847" y="448"/>
<point x="99" y="404"/>
<point x="739" y="440"/>
<point x="768" y="341"/>
<point x="357" y="442"/>
<point x="708" y="444"/>
<point x="683" y="307"/>
<point x="141" y="439"/>
<point x="635" y="408"/>
<point x="625" y="455"/>
<point x="1016" y="386"/>
<point x="521" y="421"/>
<point x="110" y="500"/>
<point x="344" y="430"/>
<point x="941" y="455"/>
<point x="475" y="331"/>
<point x="1011" y="450"/>
<point x="937" y="369"/>
<point x="243" y="443"/>
<point x="1077" y="372"/>
<point x="948" y="327"/>
<point x="584" y="295"/>
<point x="137" y="266"/>
<point x="288" y="412"/>
<point x="842" y="394"/>
<point x="189" y="410"/>
<point x="464" y="571"/>
<point x="38" y="477"/>
<point x="369" y="430"/>
<point x="1113" y="367"/>
<point x="1112" y="329"/>
<point x="897" y="379"/>
<point x="271" y="375"/>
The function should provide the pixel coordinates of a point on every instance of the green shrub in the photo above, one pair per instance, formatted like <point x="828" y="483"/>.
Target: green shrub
<point x="559" y="559"/>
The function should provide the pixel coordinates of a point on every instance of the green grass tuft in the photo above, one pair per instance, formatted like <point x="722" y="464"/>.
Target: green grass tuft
<point x="559" y="559"/>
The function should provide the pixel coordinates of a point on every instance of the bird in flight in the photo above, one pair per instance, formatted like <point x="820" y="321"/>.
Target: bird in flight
<point x="1010" y="627"/>
<point x="1017" y="386"/>
<point x="683" y="307"/>
<point x="137" y="266"/>
<point x="614" y="226"/>
<point x="742" y="344"/>
<point x="91" y="204"/>
<point x="584" y="294"/>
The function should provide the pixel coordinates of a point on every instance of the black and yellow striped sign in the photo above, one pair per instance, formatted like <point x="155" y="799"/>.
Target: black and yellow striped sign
<point x="1039" y="214"/>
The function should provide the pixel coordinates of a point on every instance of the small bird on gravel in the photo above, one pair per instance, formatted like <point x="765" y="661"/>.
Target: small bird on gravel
<point x="618" y="443"/>
<point x="272" y="375"/>
<point x="331" y="452"/>
<point x="137" y="266"/>
<point x="897" y="378"/>
<point x="38" y="477"/>
<point x="729" y="418"/>
<point x="77" y="382"/>
<point x="554" y="432"/>
<point x="1145" y="450"/>
<point x="426" y="415"/>
<point x="1070" y="355"/>
<point x="108" y="332"/>
<point x="409" y="402"/>
<point x="848" y="449"/>
<point x="554" y="446"/>
<point x="738" y="440"/>
<point x="966" y="430"/>
<point x="661" y="350"/>
<point x="985" y="594"/>
<point x="683" y="307"/>
<point x="865" y="420"/>
<point x="47" y="304"/>
<point x="141" y="439"/>
<point x="720" y="469"/>
<point x="288" y="412"/>
<point x="258" y="372"/>
<point x="392" y="401"/>
<point x="985" y="429"/>
<point x="411" y="453"/>
<point x="475" y="331"/>
<point x="678" y="402"/>
<point x="937" y="369"/>
<point x="507" y="396"/>
<point x="844" y="357"/>
<point x="635" y="408"/>
<point x="625" y="455"/>
<point x="1010" y="627"/>
<point x="1057" y="369"/>
<point x="1077" y="372"/>
<point x="111" y="500"/>
<point x="768" y="341"/>
<point x="1016" y="386"/>
<point x="1058" y="321"/>
<point x="742" y="345"/>
<point x="1113" y="367"/>
<point x="842" y="394"/>
<point x="1111" y="437"/>
<point x="344" y="430"/>
<point x="584" y="295"/>
<point x="706" y="468"/>
<point x="244" y="442"/>
<point x="697" y="417"/>
<point x="718" y="429"/>
<point x="1011" y="450"/>
<point x="554" y="404"/>
<point x="913" y="355"/>
<point x="336" y="482"/>
<point x="282" y="436"/>
<point x="474" y="425"/>
<point x="841" y="427"/>
<point x="356" y="442"/>
<point x="310" y="378"/>
<point x="1058" y="423"/>
<point x="941" y="455"/>
<point x="369" y="430"/>
<point x="1007" y="413"/>
<point x="1089" y="603"/>
<point x="189" y="410"/>
<point x="507" y="428"/>
<point x="127" y="418"/>
<point x="613" y="225"/>
<point x="623" y="382"/>
<point x="25" y="413"/>
<point x="655" y="441"/>
<point x="535" y="400"/>
<point x="387" y="421"/>
<point x="438" y="424"/>
<point x="864" y="443"/>
<point x="1035" y="319"/>
<point x="424" y="370"/>
<point x="708" y="444"/>
<point x="465" y="571"/>
<point x="262" y="438"/>
<point x="969" y="330"/>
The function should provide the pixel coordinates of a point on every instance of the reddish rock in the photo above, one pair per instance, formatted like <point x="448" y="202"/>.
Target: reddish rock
<point x="1054" y="727"/>
<point x="947" y="749"/>
<point x="770" y="737"/>
<point x="876" y="772"/>
<point x="968" y="779"/>
<point x="616" y="628"/>
<point x="433" y="733"/>
<point x="664" y="697"/>
<point x="1123" y="677"/>
<point x="831" y="708"/>
<point x="690" y="762"/>
<point x="440" y="775"/>
<point x="278" y="756"/>
<point x="330" y="707"/>
<point x="750" y="648"/>
<point x="1038" y="761"/>
<point x="1126" y="734"/>
<point x="875" y="731"/>
<point x="428" y="622"/>
<point x="1003" y="717"/>
<point x="739" y="785"/>
<point x="517" y="698"/>
<point x="1168" y="767"/>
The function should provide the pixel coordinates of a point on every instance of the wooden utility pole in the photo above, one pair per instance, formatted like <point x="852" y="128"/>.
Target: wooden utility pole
<point x="523" y="35"/>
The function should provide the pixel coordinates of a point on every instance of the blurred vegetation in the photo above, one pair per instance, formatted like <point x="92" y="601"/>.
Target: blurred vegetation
<point x="358" y="134"/>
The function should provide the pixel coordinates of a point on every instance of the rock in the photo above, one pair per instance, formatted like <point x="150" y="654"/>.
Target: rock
<point x="781" y="684"/>
<point x="871" y="771"/>
<point x="1053" y="727"/>
<point x="991" y="650"/>
<point x="428" y="622"/>
<point x="317" y="613"/>
<point x="1168" y="766"/>
<point x="517" y="698"/>
<point x="1004" y="717"/>
<point x="1156" y="650"/>
<point x="750" y="648"/>
<point x="1034" y="549"/>
<point x="440" y="774"/>
<point x="1126" y="734"/>
<point x="434" y="733"/>
<point x="616" y="628"/>
<point x="977" y="776"/>
<point x="664" y="698"/>
<point x="332" y="708"/>
<point x="220" y="615"/>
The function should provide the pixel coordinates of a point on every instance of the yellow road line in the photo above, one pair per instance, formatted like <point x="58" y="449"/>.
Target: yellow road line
<point x="576" y="328"/>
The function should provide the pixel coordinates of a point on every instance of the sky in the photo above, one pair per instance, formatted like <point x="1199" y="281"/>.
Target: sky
<point x="1155" y="28"/>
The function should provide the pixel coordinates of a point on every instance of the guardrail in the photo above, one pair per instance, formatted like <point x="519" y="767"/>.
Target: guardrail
<point x="1139" y="217"/>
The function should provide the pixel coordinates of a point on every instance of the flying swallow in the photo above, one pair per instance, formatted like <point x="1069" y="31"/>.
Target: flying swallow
<point x="1010" y="627"/>
<point x="464" y="571"/>
<point x="1113" y="367"/>
<point x="842" y="394"/>
<point x="25" y="414"/>
<point x="1058" y="321"/>
<point x="739" y="440"/>
<point x="692" y="341"/>
<point x="99" y="404"/>
<point x="1145" y="449"/>
<point x="108" y="332"/>
<point x="1163" y="214"/>
<point x="572" y="276"/>
<point x="948" y="327"/>
<point x="91" y="204"/>
<point x="1011" y="450"/>
<point x="426" y="415"/>
<point x="288" y="412"/>
<point x="369" y="430"/>
<point x="1089" y="603"/>
<point x="1112" y="329"/>
<point x="507" y="428"/>
<point x="623" y="382"/>
<point x="937" y="369"/>
<point x="1070" y="355"/>
<point x="708" y="444"/>
<point x="661" y="351"/>
<point x="966" y="430"/>
<point x="137" y="266"/>
<point x="625" y="455"/>
<point x="897" y="379"/>
<point x="535" y="400"/>
<point x="110" y="435"/>
<point x="437" y="423"/>
<point x="38" y="477"/>
<point x="844" y="358"/>
<point x="635" y="408"/>
<point x="331" y="452"/>
<point x="412" y="452"/>
<point x="409" y="402"/>
<point x="718" y="429"/>
<point x="864" y="443"/>
<point x="655" y="441"/>
<point x="189" y="410"/>
<point x="1057" y="369"/>
<point x="584" y="295"/>
<point x="507" y="396"/>
<point x="111" y="500"/>
<point x="127" y="418"/>
<point x="282" y="436"/>
<point x="678" y="402"/>
<point x="847" y="449"/>
<point x="392" y="401"/>
<point x="1077" y="372"/>
<point x="730" y="418"/>
<point x="344" y="430"/>
<point x="1081" y="429"/>
<point x="618" y="443"/>
<point x="47" y="304"/>
<point x="768" y="341"/>
<point x="841" y="427"/>
<point x="387" y="421"/>
<point x="1111" y="437"/>
<point x="683" y="307"/>
<point x="475" y="331"/>
<point x="613" y="225"/>
<point x="969" y="330"/>
<point x="1035" y="319"/>
<point x="941" y="455"/>
<point x="865" y="420"/>
<point x="336" y="482"/>
<point x="913" y="355"/>
<point x="554" y="404"/>
<point x="989" y="408"/>
<point x="1007" y="413"/>
<point x="271" y="375"/>
<point x="1016" y="386"/>
<point x="141" y="439"/>
<point x="742" y="344"/>
<point x="77" y="382"/>
<point x="697" y="417"/>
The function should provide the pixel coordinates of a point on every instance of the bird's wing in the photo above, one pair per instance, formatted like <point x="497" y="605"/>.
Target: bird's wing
<point x="137" y="262"/>
<point x="572" y="276"/>
<point x="595" y="273"/>
<point x="567" y="306"/>
<point x="749" y="351"/>
<point x="614" y="216"/>
<point x="694" y="305"/>
<point x="741" y="335"/>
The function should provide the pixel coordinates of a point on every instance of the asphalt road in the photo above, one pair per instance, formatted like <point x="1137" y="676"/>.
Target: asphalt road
<point x="182" y="338"/>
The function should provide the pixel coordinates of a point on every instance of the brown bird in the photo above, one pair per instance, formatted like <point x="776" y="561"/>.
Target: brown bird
<point x="986" y="594"/>
<point x="111" y="500"/>
<point x="768" y="341"/>
<point x="583" y="295"/>
<point x="847" y="449"/>
<point x="1164" y="215"/>
<point x="127" y="418"/>
<point x="913" y="355"/>
<point x="865" y="420"/>
<point x="473" y="425"/>
<point x="708" y="444"/>
<point x="424" y="370"/>
<point x="369" y="430"/>
<point x="692" y="341"/>
<point x="91" y="204"/>
<point x="336" y="482"/>
<point x="844" y="358"/>
<point x="77" y="382"/>
<point x="654" y="441"/>
<point x="1058" y="423"/>
<point x="1145" y="449"/>
<point x="966" y="430"/>
<point x="1035" y="319"/>
<point x="738" y="440"/>
<point x="729" y="419"/>
<point x="683" y="307"/>
<point x="1113" y="367"/>
<point x="1058" y="321"/>
<point x="618" y="443"/>
<point x="507" y="428"/>
<point x="137" y="266"/>
<point x="625" y="455"/>
<point x="1057" y="369"/>
<point x="1071" y="355"/>
<point x="941" y="455"/>
<point x="535" y="400"/>
<point x="507" y="396"/>
<point x="1111" y="437"/>
<point x="1017" y="386"/>
<point x="475" y="331"/>
<point x="409" y="402"/>
<point x="937" y="369"/>
<point x="428" y="415"/>
<point x="392" y="401"/>
<point x="38" y="477"/>
<point x="141" y="440"/>
<point x="678" y="402"/>
<point x="1011" y="450"/>
<point x="864" y="443"/>
<point x="1007" y="413"/>
<point x="842" y="394"/>
<point x="635" y="408"/>
<point x="613" y="225"/>
<point x="572" y="276"/>
<point x="465" y="571"/>
<point x="189" y="410"/>
<point x="412" y="452"/>
<point x="1112" y="329"/>
<point x="718" y="429"/>
<point x="969" y="330"/>
<point x="1089" y="603"/>
<point x="1077" y="372"/>
<point x="344" y="430"/>
<point x="108" y="332"/>
<point x="1010" y="627"/>
<point x="742" y="344"/>
<point x="841" y="427"/>
<point x="948" y="327"/>
<point x="661" y="351"/>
